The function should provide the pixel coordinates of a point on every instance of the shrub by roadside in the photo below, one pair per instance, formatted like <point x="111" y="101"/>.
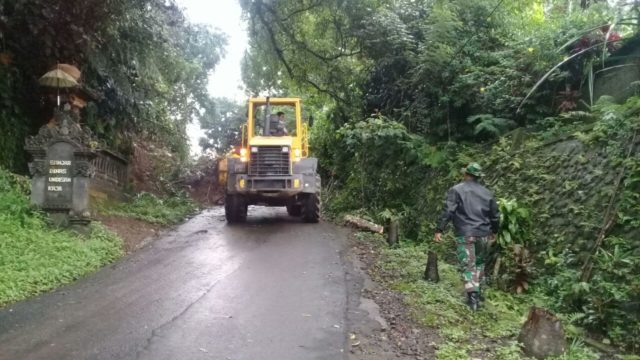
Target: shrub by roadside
<point x="34" y="257"/>
<point x="154" y="209"/>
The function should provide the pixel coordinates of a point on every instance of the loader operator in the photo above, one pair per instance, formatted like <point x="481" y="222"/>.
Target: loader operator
<point x="282" y="128"/>
<point x="474" y="212"/>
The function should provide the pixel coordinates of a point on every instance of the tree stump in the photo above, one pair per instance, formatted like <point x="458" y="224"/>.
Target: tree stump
<point x="392" y="236"/>
<point x="542" y="334"/>
<point x="431" y="270"/>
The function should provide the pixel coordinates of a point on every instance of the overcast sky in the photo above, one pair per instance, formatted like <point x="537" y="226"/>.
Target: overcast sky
<point x="226" y="80"/>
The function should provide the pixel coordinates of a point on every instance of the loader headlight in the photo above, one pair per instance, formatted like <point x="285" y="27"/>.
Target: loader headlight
<point x="243" y="155"/>
<point x="254" y="149"/>
<point x="285" y="149"/>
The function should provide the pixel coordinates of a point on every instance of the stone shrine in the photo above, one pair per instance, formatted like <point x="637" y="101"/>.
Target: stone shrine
<point x="61" y="169"/>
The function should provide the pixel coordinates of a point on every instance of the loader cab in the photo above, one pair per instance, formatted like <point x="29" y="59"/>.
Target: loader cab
<point x="281" y="120"/>
<point x="264" y="128"/>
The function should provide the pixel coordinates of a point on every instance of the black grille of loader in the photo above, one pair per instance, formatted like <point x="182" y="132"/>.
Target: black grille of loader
<point x="269" y="160"/>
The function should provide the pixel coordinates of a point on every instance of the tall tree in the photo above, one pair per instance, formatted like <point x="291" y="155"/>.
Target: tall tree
<point x="223" y="129"/>
<point x="148" y="64"/>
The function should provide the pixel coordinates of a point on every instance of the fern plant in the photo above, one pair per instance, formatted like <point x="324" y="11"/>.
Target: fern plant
<point x="489" y="125"/>
<point x="512" y="264"/>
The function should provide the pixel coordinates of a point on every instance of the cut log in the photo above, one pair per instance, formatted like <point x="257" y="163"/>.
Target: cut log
<point x="393" y="232"/>
<point x="542" y="334"/>
<point x="363" y="224"/>
<point x="431" y="270"/>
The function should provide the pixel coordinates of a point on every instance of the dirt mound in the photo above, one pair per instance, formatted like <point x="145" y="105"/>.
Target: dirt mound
<point x="151" y="167"/>
<point x="134" y="233"/>
<point x="155" y="170"/>
<point x="202" y="182"/>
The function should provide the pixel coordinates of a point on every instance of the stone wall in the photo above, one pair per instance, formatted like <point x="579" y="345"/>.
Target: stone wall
<point x="568" y="185"/>
<point x="622" y="72"/>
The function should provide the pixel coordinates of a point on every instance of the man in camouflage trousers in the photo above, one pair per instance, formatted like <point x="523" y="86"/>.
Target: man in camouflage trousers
<point x="474" y="212"/>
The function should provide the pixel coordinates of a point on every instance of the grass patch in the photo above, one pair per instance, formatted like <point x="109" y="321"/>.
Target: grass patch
<point x="34" y="257"/>
<point x="153" y="209"/>
<point x="489" y="333"/>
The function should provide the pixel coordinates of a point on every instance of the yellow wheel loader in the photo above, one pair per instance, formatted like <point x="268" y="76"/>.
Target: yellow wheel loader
<point x="272" y="167"/>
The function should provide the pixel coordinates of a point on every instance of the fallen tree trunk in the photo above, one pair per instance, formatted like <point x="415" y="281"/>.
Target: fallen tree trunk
<point x="363" y="224"/>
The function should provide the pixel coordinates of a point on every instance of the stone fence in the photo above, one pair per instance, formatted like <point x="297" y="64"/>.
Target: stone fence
<point x="111" y="174"/>
<point x="110" y="168"/>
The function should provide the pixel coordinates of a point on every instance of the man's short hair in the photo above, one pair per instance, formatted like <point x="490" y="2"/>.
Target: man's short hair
<point x="280" y="113"/>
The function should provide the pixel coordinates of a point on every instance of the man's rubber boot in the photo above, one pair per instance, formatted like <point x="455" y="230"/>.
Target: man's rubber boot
<point x="474" y="300"/>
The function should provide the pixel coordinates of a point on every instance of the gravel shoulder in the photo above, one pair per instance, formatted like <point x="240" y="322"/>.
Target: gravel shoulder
<point x="381" y="324"/>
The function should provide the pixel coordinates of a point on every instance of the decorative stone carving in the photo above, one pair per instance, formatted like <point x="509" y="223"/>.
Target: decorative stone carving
<point x="38" y="168"/>
<point x="83" y="168"/>
<point x="63" y="128"/>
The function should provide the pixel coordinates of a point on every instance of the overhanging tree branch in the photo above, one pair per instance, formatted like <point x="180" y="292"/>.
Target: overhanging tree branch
<point x="281" y="56"/>
<point x="301" y="44"/>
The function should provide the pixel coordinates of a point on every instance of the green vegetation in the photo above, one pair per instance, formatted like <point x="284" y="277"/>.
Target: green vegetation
<point x="511" y="264"/>
<point x="490" y="333"/>
<point x="166" y="210"/>
<point x="406" y="92"/>
<point x="540" y="251"/>
<point x="145" y="62"/>
<point x="222" y="129"/>
<point x="549" y="233"/>
<point x="34" y="257"/>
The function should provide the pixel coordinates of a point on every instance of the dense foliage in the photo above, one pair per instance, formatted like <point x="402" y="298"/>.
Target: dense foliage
<point x="146" y="64"/>
<point x="427" y="64"/>
<point x="33" y="257"/>
<point x="409" y="91"/>
<point x="223" y="128"/>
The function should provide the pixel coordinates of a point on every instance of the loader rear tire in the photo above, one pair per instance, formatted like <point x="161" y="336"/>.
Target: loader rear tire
<point x="311" y="208"/>
<point x="235" y="208"/>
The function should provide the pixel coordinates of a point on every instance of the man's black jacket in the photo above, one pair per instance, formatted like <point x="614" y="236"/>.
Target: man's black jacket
<point x="472" y="208"/>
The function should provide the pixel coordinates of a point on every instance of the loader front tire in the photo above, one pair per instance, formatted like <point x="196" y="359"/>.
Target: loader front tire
<point x="311" y="208"/>
<point x="235" y="208"/>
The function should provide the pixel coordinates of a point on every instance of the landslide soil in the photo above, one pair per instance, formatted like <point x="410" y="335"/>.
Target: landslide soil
<point x="134" y="233"/>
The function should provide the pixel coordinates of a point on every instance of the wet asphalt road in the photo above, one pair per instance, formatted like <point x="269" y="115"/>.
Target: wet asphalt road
<point x="273" y="288"/>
